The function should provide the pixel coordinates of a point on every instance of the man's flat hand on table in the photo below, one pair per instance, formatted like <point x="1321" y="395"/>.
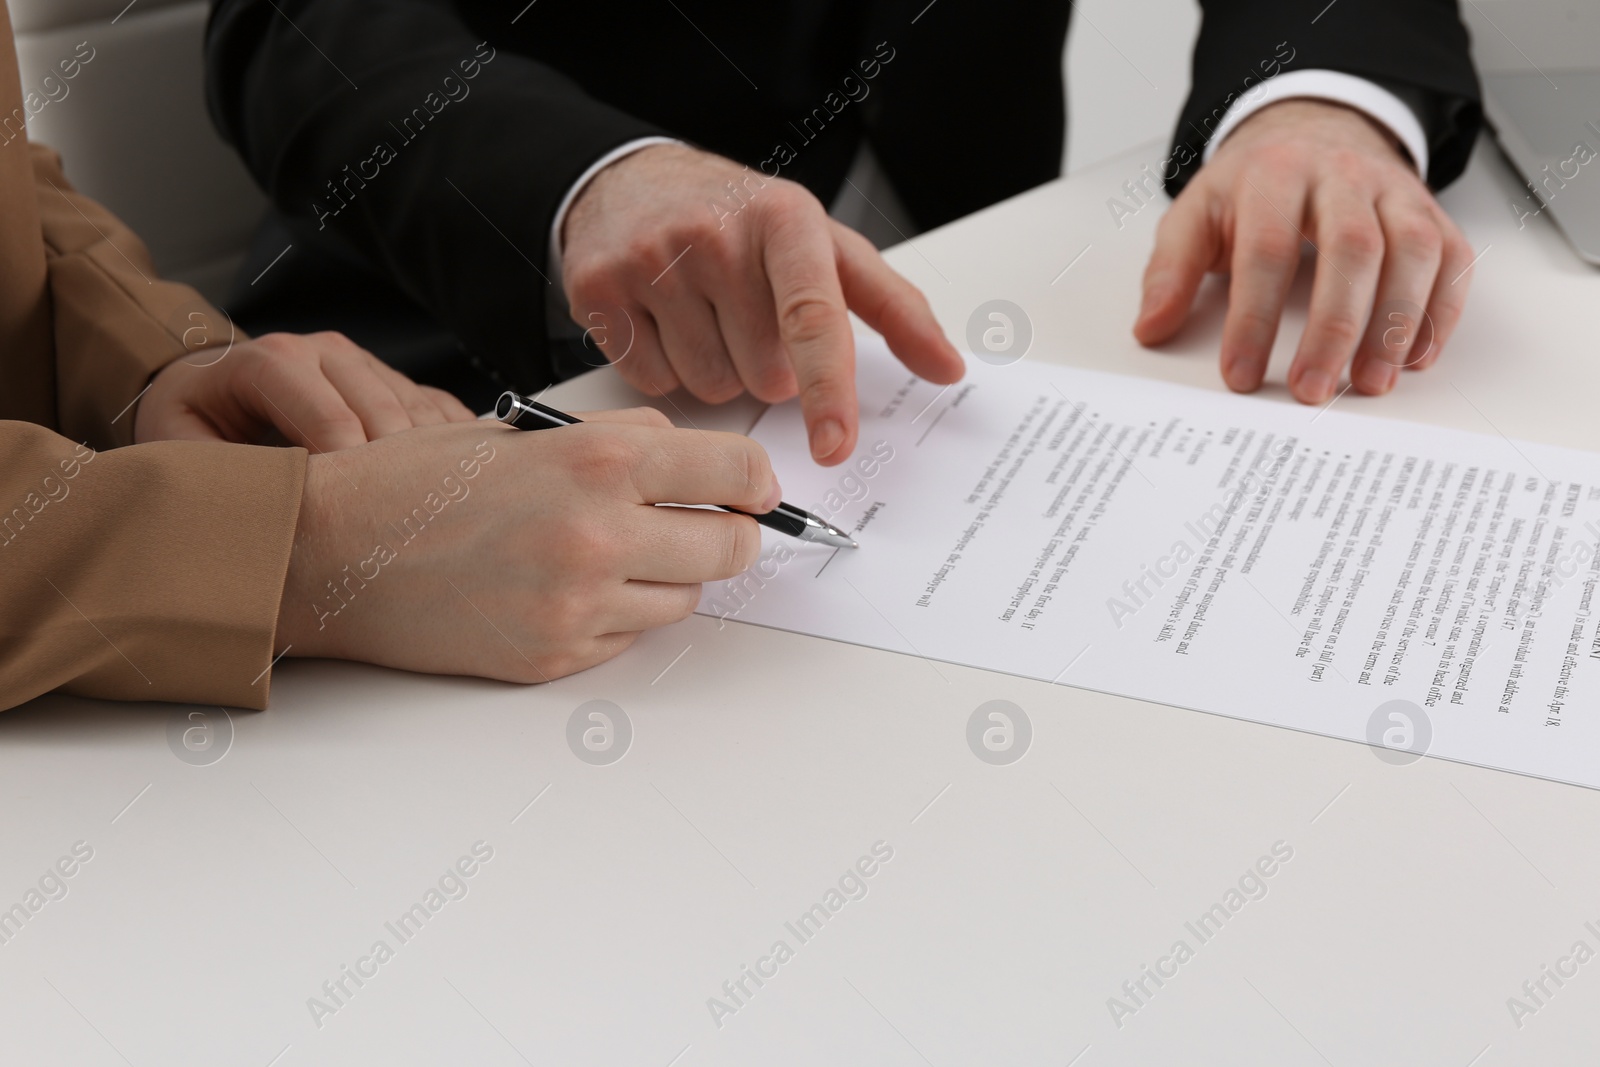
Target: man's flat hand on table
<point x="1392" y="269"/>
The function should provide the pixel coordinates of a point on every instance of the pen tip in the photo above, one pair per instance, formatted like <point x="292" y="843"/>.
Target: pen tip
<point x="853" y="543"/>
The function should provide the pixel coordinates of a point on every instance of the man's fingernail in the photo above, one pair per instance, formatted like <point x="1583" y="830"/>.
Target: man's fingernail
<point x="826" y="439"/>
<point x="1155" y="295"/>
<point x="1154" y="298"/>
<point x="1242" y="374"/>
<point x="774" y="498"/>
<point x="1378" y="376"/>
<point x="1316" y="385"/>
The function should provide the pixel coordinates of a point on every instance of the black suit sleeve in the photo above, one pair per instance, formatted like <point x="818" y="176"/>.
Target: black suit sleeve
<point x="437" y="157"/>
<point x="1417" y="48"/>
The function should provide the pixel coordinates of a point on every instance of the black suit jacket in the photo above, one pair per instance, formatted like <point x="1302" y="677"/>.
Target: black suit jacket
<point x="426" y="144"/>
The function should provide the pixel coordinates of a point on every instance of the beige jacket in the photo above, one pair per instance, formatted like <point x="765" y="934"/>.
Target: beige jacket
<point x="132" y="572"/>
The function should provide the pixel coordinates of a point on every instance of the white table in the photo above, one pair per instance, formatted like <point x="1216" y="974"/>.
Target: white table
<point x="1018" y="900"/>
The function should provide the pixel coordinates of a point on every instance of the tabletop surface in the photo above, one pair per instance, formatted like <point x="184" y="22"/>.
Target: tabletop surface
<point x="540" y="901"/>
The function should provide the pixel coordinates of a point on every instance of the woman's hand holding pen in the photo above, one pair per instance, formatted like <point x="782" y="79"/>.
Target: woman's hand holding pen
<point x="475" y="549"/>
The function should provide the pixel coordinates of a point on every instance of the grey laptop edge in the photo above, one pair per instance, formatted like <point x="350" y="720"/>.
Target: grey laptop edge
<point x="1540" y="65"/>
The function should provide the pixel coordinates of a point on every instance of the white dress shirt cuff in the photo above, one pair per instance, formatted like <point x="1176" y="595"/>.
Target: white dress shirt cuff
<point x="1371" y="99"/>
<point x="620" y="152"/>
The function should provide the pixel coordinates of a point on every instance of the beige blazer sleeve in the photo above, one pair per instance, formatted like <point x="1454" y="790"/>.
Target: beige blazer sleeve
<point x="132" y="572"/>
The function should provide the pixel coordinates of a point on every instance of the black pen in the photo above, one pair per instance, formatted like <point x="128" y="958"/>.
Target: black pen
<point x="526" y="414"/>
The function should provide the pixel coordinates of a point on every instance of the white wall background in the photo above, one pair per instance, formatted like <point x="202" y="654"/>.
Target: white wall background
<point x="1127" y="65"/>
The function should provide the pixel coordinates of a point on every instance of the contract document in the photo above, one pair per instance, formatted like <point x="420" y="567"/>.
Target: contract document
<point x="1425" y="590"/>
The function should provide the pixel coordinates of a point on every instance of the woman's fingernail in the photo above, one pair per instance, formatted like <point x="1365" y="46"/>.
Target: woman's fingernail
<point x="826" y="438"/>
<point x="774" y="498"/>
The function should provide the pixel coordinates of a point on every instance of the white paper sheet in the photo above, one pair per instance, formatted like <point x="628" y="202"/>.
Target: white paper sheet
<point x="1208" y="551"/>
